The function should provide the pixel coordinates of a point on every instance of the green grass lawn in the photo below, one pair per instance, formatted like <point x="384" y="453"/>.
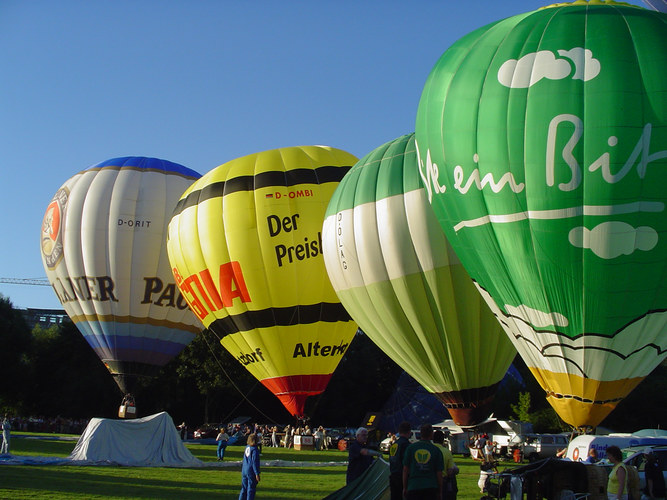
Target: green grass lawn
<point x="87" y="482"/>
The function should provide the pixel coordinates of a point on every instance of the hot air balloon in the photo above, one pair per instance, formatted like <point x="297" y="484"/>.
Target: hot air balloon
<point x="542" y="143"/>
<point x="400" y="280"/>
<point x="103" y="246"/>
<point x="246" y="250"/>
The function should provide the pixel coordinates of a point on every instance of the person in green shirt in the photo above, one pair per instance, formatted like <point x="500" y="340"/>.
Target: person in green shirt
<point x="449" y="486"/>
<point x="396" y="454"/>
<point x="423" y="464"/>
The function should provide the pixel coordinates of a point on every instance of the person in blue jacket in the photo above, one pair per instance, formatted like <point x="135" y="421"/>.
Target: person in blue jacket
<point x="359" y="458"/>
<point x="250" y="469"/>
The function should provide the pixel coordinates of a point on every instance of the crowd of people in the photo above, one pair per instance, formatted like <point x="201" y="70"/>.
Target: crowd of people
<point x="61" y="425"/>
<point x="321" y="441"/>
<point x="275" y="436"/>
<point x="481" y="447"/>
<point x="267" y="435"/>
<point x="257" y="436"/>
<point x="424" y="469"/>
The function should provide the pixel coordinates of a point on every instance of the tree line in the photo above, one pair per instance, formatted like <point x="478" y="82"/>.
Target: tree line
<point x="54" y="372"/>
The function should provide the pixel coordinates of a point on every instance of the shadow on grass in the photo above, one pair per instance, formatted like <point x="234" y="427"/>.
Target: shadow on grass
<point x="42" y="447"/>
<point x="305" y="470"/>
<point x="60" y="481"/>
<point x="140" y="482"/>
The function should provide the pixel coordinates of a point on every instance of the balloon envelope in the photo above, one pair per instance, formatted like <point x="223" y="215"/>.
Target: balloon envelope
<point x="542" y="143"/>
<point x="245" y="247"/>
<point x="400" y="280"/>
<point x="104" y="251"/>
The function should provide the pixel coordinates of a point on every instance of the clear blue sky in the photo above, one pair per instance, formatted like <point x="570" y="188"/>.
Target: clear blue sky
<point x="201" y="82"/>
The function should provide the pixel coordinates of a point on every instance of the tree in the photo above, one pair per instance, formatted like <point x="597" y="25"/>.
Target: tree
<point x="14" y="343"/>
<point x="521" y="410"/>
<point x="54" y="371"/>
<point x="206" y="384"/>
<point x="645" y="407"/>
<point x="363" y="381"/>
<point x="66" y="376"/>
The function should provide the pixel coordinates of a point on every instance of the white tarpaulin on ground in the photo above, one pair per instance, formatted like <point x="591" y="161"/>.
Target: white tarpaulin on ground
<point x="148" y="441"/>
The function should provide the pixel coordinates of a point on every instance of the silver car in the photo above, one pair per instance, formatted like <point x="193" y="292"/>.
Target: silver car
<point x="636" y="456"/>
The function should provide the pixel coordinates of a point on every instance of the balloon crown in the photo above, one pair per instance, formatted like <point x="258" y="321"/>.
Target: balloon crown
<point x="589" y="2"/>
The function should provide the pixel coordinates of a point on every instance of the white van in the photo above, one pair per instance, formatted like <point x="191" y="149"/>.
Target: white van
<point x="386" y="443"/>
<point x="580" y="446"/>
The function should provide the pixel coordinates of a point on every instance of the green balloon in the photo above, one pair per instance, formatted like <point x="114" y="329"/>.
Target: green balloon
<point x="542" y="142"/>
<point x="401" y="282"/>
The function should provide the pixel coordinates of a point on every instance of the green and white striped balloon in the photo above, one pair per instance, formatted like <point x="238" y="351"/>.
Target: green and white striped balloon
<point x="400" y="280"/>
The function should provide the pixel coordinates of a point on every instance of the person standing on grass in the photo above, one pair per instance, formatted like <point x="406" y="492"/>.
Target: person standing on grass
<point x="274" y="437"/>
<point x="396" y="452"/>
<point x="250" y="469"/>
<point x="450" y="470"/>
<point x="423" y="464"/>
<point x="359" y="457"/>
<point x="288" y="436"/>
<point x="6" y="434"/>
<point x="617" y="488"/>
<point x="222" y="439"/>
<point x="318" y="435"/>
<point x="655" y="480"/>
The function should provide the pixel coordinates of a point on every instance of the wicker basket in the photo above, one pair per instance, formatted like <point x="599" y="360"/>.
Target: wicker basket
<point x="597" y="482"/>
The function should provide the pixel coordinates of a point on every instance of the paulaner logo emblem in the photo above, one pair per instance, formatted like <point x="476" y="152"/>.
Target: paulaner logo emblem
<point x="52" y="224"/>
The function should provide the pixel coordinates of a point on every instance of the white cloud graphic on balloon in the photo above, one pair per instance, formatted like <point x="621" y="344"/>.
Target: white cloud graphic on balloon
<point x="533" y="67"/>
<point x="594" y="356"/>
<point x="613" y="239"/>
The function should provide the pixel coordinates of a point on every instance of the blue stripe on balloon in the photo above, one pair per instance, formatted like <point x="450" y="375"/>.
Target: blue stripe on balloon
<point x="116" y="342"/>
<point x="134" y="342"/>
<point x="148" y="164"/>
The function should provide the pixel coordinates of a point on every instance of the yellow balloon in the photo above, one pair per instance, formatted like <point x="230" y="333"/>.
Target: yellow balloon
<point x="245" y="247"/>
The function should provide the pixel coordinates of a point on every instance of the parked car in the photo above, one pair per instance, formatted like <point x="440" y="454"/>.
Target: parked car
<point x="207" y="431"/>
<point x="537" y="446"/>
<point x="505" y="443"/>
<point x="332" y="436"/>
<point x="337" y="434"/>
<point x="385" y="444"/>
<point x="636" y="455"/>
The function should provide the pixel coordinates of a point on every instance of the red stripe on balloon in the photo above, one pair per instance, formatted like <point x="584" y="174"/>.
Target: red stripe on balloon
<point x="293" y="390"/>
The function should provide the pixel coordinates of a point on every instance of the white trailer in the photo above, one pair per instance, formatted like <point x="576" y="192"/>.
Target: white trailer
<point x="580" y="446"/>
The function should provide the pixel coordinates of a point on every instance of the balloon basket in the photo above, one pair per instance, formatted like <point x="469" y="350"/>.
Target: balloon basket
<point x="127" y="408"/>
<point x="126" y="411"/>
<point x="304" y="443"/>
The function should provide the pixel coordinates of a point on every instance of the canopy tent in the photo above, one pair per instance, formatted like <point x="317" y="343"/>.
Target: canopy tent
<point x="651" y="433"/>
<point x="148" y="441"/>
